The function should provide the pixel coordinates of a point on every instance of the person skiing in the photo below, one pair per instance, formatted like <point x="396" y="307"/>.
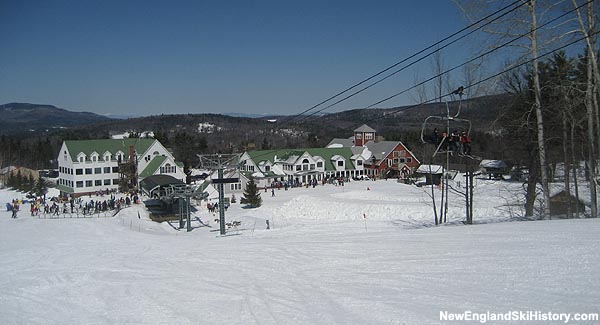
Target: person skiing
<point x="15" y="209"/>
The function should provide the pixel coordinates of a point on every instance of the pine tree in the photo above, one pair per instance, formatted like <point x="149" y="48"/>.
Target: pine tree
<point x="10" y="180"/>
<point x="40" y="187"/>
<point x="28" y="184"/>
<point x="251" y="195"/>
<point x="18" y="181"/>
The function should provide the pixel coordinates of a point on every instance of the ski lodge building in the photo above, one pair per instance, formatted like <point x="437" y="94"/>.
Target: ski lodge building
<point x="359" y="155"/>
<point x="382" y="159"/>
<point x="90" y="166"/>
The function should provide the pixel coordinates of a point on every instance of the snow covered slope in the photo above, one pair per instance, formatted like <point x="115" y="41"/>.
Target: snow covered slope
<point x="322" y="263"/>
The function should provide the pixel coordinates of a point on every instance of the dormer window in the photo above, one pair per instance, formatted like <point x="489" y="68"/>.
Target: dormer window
<point x="81" y="157"/>
<point x="120" y="156"/>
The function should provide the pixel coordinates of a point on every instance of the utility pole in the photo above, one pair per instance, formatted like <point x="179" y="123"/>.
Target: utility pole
<point x="220" y="162"/>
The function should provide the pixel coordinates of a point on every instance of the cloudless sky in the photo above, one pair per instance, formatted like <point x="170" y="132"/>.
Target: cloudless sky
<point x="256" y="57"/>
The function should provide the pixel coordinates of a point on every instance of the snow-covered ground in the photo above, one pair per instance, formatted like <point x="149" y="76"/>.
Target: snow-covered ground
<point x="364" y="253"/>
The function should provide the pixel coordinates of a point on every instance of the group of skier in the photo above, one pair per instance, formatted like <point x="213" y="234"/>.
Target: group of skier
<point x="56" y="206"/>
<point x="456" y="142"/>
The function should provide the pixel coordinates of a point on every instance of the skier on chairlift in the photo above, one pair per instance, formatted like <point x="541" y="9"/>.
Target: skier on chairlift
<point x="435" y="137"/>
<point x="454" y="142"/>
<point x="465" y="140"/>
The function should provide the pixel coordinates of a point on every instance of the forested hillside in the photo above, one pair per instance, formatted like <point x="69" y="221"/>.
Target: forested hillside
<point x="190" y="134"/>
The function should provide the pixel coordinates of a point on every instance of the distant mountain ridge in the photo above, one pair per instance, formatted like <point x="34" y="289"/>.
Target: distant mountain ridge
<point x="17" y="118"/>
<point x="27" y="117"/>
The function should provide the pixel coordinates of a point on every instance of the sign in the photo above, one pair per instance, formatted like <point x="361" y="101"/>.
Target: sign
<point x="225" y="180"/>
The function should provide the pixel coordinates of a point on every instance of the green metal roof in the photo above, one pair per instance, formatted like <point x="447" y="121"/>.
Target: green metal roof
<point x="325" y="153"/>
<point x="65" y="189"/>
<point x="111" y="145"/>
<point x="153" y="166"/>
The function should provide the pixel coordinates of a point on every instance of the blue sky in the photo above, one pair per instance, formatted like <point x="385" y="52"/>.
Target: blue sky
<point x="259" y="57"/>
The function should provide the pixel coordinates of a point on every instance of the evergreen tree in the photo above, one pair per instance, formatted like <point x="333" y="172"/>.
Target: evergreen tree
<point x="40" y="187"/>
<point x="28" y="184"/>
<point x="18" y="181"/>
<point x="251" y="195"/>
<point x="10" y="182"/>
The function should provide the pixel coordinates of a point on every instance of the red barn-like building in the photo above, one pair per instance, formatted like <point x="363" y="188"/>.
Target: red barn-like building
<point x="382" y="159"/>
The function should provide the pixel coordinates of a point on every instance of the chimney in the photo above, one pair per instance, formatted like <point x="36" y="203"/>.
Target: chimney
<point x="131" y="153"/>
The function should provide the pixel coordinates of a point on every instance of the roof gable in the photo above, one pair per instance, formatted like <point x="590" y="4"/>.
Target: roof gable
<point x="283" y="154"/>
<point x="364" y="128"/>
<point x="153" y="166"/>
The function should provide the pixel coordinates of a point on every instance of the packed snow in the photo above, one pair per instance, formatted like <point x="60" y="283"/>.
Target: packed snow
<point x="367" y="252"/>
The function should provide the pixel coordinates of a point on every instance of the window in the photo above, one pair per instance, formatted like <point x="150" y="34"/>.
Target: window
<point x="402" y="160"/>
<point x="98" y="182"/>
<point x="81" y="159"/>
<point x="305" y="161"/>
<point x="115" y="169"/>
<point x="107" y="182"/>
<point x="115" y="181"/>
<point x="98" y="170"/>
<point x="319" y="164"/>
<point x="107" y="157"/>
<point x="312" y="166"/>
<point x="267" y="168"/>
<point x="88" y="171"/>
<point x="107" y="170"/>
<point x="368" y="136"/>
<point x="408" y="159"/>
<point x="94" y="158"/>
<point x="79" y="171"/>
<point x="358" y="136"/>
<point x="236" y="186"/>
<point x="168" y="169"/>
<point x="298" y="168"/>
<point x="340" y="163"/>
<point x="359" y="162"/>
<point x="88" y="183"/>
<point x="79" y="184"/>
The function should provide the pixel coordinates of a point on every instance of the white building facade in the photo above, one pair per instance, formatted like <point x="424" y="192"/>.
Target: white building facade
<point x="300" y="166"/>
<point x="89" y="166"/>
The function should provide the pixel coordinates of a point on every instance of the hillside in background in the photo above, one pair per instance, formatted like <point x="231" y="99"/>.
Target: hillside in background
<point x="20" y="117"/>
<point x="42" y="128"/>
